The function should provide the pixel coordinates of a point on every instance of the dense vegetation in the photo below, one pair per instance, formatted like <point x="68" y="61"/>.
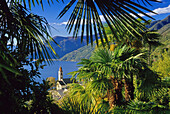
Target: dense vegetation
<point x="23" y="34"/>
<point x="109" y="78"/>
<point x="120" y="80"/>
<point x="163" y="30"/>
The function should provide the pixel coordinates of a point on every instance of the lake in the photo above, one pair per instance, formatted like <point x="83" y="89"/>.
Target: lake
<point x="52" y="70"/>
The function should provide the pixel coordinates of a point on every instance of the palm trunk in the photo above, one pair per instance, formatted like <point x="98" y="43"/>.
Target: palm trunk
<point x="115" y="95"/>
<point x="149" y="54"/>
<point x="129" y="89"/>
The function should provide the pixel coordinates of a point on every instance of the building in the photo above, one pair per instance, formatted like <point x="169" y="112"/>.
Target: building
<point x="62" y="84"/>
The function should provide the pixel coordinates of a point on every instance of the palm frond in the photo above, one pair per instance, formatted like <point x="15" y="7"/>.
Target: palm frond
<point x="26" y="32"/>
<point x="117" y="14"/>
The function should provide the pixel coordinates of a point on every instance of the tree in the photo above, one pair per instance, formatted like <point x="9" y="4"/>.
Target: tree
<point x="52" y="82"/>
<point x="23" y="38"/>
<point x="24" y="34"/>
<point x="106" y="71"/>
<point x="118" y="15"/>
<point x="162" y="65"/>
<point x="150" y="38"/>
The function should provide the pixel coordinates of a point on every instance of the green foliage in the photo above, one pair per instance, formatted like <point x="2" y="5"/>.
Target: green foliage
<point x="117" y="18"/>
<point x="126" y="64"/>
<point x="52" y="82"/>
<point x="23" y="35"/>
<point x="41" y="103"/>
<point x="147" y="84"/>
<point x="140" y="107"/>
<point x="162" y="65"/>
<point x="82" y="100"/>
<point x="145" y="106"/>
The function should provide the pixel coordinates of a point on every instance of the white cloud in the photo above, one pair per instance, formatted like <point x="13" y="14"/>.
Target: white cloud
<point x="161" y="10"/>
<point x="64" y="23"/>
<point x="158" y="11"/>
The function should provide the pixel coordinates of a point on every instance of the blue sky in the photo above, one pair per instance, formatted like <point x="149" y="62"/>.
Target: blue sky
<point x="51" y="12"/>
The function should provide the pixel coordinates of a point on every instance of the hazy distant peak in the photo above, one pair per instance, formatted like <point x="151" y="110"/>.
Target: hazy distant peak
<point x="161" y="23"/>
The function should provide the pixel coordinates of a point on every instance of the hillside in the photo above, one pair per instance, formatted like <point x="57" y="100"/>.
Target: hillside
<point x="152" y="23"/>
<point x="67" y="45"/>
<point x="165" y="40"/>
<point x="77" y="55"/>
<point x="160" y="24"/>
<point x="73" y="50"/>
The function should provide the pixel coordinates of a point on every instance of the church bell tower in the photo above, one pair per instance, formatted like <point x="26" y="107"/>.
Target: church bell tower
<point x="60" y="74"/>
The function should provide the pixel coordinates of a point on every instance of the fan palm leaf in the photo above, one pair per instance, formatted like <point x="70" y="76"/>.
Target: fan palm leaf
<point x="104" y="71"/>
<point x="117" y="15"/>
<point x="25" y="32"/>
<point x="86" y="16"/>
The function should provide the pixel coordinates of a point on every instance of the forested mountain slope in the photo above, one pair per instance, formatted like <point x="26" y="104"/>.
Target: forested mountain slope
<point x="73" y="50"/>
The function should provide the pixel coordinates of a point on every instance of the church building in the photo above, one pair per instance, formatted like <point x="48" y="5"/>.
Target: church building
<point x="61" y="83"/>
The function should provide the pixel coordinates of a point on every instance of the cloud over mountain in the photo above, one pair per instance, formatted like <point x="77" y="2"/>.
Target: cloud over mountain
<point x="159" y="11"/>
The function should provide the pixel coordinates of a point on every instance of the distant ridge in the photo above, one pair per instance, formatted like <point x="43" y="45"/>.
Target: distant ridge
<point x="161" y="23"/>
<point x="152" y="23"/>
<point x="76" y="55"/>
<point x="163" y="27"/>
<point x="68" y="44"/>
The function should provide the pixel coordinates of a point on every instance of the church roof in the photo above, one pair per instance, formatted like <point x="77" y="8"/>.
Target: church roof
<point x="60" y="69"/>
<point x="67" y="80"/>
<point x="61" y="82"/>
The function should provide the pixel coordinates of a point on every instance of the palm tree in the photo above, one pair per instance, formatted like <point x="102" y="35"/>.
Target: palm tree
<point x="149" y="39"/>
<point x="126" y="61"/>
<point x="85" y="17"/>
<point x="117" y="14"/>
<point x="23" y="38"/>
<point x="152" y="39"/>
<point x="23" y="34"/>
<point x="106" y="71"/>
<point x="95" y="74"/>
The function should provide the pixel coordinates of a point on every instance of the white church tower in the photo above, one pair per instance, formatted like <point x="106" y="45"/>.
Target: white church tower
<point x="60" y="74"/>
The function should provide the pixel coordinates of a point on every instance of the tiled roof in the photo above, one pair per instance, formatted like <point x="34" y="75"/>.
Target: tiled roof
<point x="67" y="80"/>
<point x="61" y="82"/>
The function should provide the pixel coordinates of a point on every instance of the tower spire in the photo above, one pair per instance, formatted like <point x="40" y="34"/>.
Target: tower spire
<point x="60" y="74"/>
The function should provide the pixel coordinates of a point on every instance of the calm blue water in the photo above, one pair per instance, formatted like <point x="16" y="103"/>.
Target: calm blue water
<point x="52" y="70"/>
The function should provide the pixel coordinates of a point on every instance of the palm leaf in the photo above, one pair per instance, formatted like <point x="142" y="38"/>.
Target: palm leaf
<point x="29" y="32"/>
<point x="117" y="14"/>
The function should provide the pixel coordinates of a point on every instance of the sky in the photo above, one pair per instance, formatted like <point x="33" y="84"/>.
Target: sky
<point x="51" y="12"/>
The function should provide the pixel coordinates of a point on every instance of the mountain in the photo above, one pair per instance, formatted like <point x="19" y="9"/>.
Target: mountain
<point x="152" y="23"/>
<point x="165" y="40"/>
<point x="73" y="50"/>
<point x="159" y="24"/>
<point x="165" y="33"/>
<point x="76" y="55"/>
<point x="67" y="44"/>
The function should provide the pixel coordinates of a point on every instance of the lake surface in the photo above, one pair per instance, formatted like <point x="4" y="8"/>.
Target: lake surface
<point x="52" y="70"/>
